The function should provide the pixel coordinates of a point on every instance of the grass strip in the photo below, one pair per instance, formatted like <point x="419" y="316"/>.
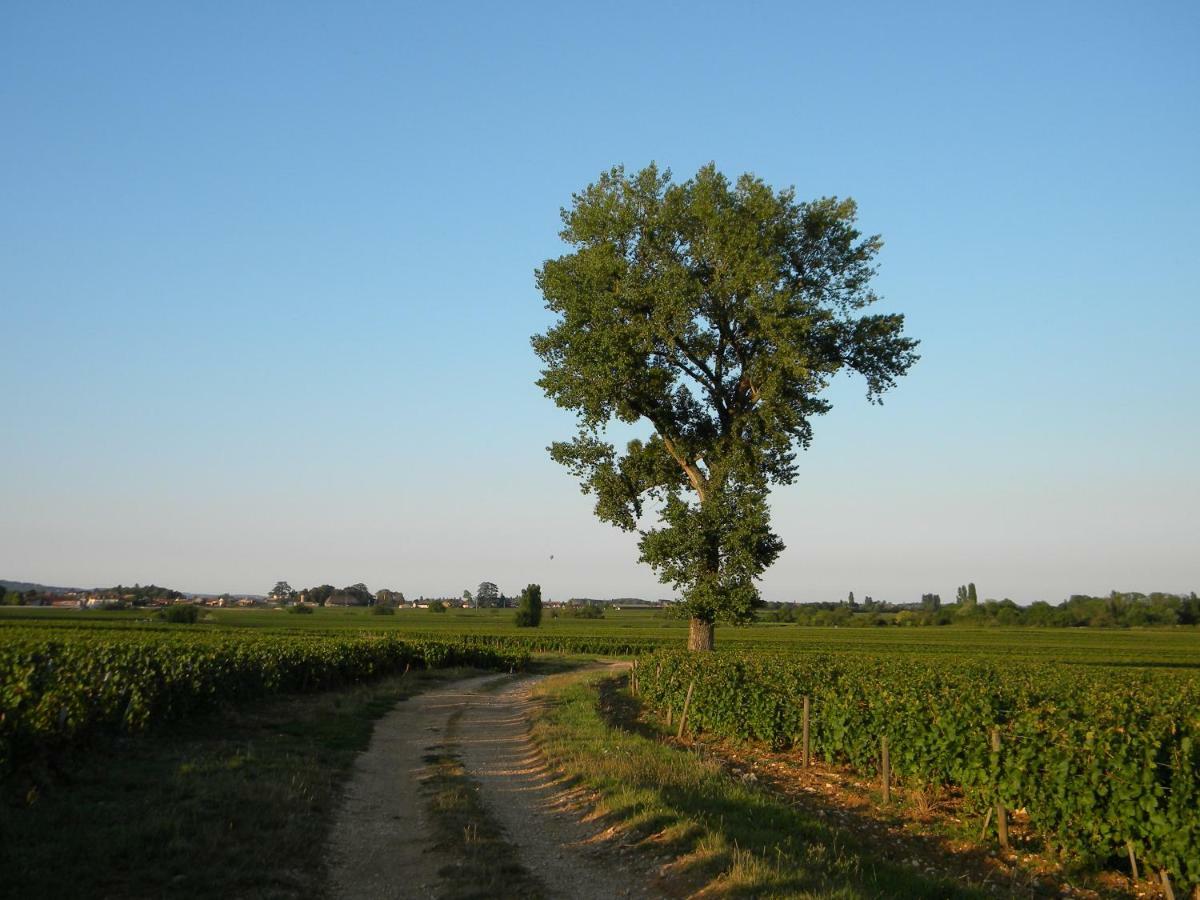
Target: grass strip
<point x="238" y="802"/>
<point x="716" y="835"/>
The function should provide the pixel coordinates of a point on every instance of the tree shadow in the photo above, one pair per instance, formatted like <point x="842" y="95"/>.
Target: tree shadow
<point x="621" y="711"/>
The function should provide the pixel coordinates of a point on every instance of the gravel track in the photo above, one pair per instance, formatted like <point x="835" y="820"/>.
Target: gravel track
<point x="541" y="817"/>
<point x="381" y="846"/>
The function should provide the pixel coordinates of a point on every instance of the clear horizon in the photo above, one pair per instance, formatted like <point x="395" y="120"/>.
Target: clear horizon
<point x="268" y="285"/>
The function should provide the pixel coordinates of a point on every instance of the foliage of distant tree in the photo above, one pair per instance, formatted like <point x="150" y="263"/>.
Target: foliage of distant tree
<point x="139" y="594"/>
<point x="717" y="313"/>
<point x="1117" y="610"/>
<point x="360" y="592"/>
<point x="180" y="613"/>
<point x="487" y="594"/>
<point x="29" y="597"/>
<point x="437" y="606"/>
<point x="283" y="593"/>
<point x="381" y="609"/>
<point x="529" y="607"/>
<point x="965" y="597"/>
<point x="354" y="595"/>
<point x="300" y="610"/>
<point x="580" y="611"/>
<point x="385" y="597"/>
<point x="320" y="595"/>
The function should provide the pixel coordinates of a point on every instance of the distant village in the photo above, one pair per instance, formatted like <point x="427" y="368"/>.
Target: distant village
<point x="283" y="595"/>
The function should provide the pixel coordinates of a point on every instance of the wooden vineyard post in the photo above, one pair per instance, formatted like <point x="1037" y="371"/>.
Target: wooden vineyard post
<point x="670" y="712"/>
<point x="804" y="736"/>
<point x="1001" y="812"/>
<point x="633" y="679"/>
<point x="1132" y="860"/>
<point x="987" y="820"/>
<point x="687" y="701"/>
<point x="885" y="772"/>
<point x="1166" y="883"/>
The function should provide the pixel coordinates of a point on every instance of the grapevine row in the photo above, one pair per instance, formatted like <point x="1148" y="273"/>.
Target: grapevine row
<point x="57" y="689"/>
<point x="1099" y="759"/>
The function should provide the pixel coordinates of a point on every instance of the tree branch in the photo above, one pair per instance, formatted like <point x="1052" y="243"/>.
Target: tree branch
<point x="695" y="476"/>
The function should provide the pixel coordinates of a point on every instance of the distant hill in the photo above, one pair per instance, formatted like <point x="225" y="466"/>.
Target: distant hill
<point x="20" y="586"/>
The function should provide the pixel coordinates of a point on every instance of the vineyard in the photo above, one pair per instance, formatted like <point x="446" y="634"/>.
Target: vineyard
<point x="1104" y="762"/>
<point x="1091" y="739"/>
<point x="627" y="633"/>
<point x="59" y="686"/>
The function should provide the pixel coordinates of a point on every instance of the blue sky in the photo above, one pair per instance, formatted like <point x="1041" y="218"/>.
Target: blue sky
<point x="266" y="282"/>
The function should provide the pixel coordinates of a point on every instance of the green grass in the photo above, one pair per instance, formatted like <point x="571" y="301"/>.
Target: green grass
<point x="1171" y="647"/>
<point x="727" y="838"/>
<point x="236" y="803"/>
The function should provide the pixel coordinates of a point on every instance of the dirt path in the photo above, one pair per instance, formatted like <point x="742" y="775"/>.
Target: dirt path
<point x="381" y="845"/>
<point x="540" y="817"/>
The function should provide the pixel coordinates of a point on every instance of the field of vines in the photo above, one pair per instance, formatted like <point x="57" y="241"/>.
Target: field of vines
<point x="631" y="632"/>
<point x="60" y="685"/>
<point x="1100" y="759"/>
<point x="1099" y="730"/>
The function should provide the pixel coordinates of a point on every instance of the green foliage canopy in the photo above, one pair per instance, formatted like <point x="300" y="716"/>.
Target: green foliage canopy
<point x="716" y="312"/>
<point x="487" y="594"/>
<point x="282" y="592"/>
<point x="181" y="613"/>
<point x="529" y="607"/>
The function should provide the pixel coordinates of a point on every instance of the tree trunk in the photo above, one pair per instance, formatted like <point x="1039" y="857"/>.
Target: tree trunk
<point x="700" y="635"/>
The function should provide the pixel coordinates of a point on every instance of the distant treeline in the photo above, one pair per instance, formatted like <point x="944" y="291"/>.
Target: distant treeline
<point x="1117" y="610"/>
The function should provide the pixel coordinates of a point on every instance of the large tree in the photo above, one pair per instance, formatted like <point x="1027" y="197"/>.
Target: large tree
<point x="717" y="313"/>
